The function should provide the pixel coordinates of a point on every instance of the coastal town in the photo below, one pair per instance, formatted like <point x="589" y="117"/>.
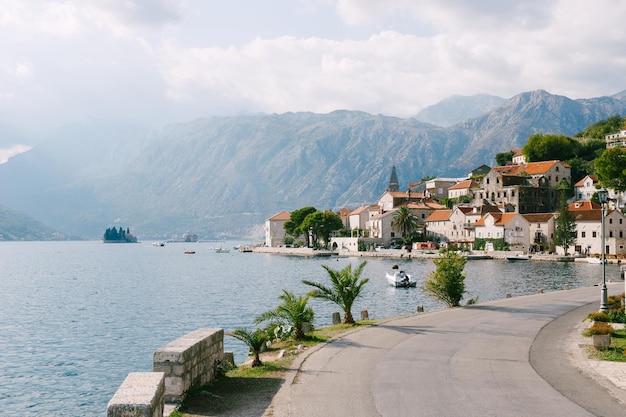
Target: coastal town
<point x="514" y="206"/>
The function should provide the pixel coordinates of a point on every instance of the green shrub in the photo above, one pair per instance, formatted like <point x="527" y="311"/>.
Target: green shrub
<point x="617" y="316"/>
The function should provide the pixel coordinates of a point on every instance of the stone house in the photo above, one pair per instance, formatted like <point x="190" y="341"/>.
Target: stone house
<point x="518" y="156"/>
<point x="380" y="227"/>
<point x="275" y="228"/>
<point x="512" y="227"/>
<point x="589" y="230"/>
<point x="438" y="225"/>
<point x="344" y="214"/>
<point x="380" y="224"/>
<point x="461" y="188"/>
<point x="456" y="226"/>
<point x="585" y="188"/>
<point x="438" y="188"/>
<point x="359" y="218"/>
<point x="521" y="194"/>
<point x="392" y="199"/>
<point x="527" y="188"/>
<point x="541" y="231"/>
<point x="616" y="139"/>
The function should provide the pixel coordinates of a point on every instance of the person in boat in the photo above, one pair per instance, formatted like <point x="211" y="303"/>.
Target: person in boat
<point x="405" y="278"/>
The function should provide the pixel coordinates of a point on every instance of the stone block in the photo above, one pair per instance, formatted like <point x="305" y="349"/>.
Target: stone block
<point x="140" y="395"/>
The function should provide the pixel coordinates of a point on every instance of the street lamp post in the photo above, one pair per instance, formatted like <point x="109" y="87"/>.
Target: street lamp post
<point x="603" y="197"/>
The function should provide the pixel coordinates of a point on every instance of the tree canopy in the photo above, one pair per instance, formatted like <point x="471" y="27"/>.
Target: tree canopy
<point x="447" y="282"/>
<point x="293" y="226"/>
<point x="321" y="224"/>
<point x="503" y="158"/>
<point x="540" y="147"/>
<point x="604" y="127"/>
<point x="565" y="228"/>
<point x="610" y="168"/>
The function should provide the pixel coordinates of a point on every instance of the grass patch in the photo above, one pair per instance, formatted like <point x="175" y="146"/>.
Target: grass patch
<point x="249" y="391"/>
<point x="617" y="351"/>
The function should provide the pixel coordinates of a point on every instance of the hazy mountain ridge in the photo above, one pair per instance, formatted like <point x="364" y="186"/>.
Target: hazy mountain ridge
<point x="228" y="174"/>
<point x="456" y="109"/>
<point x="15" y="225"/>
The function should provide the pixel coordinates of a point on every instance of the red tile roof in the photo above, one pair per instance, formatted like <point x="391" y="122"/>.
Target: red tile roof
<point x="531" y="168"/>
<point x="582" y="181"/>
<point x="464" y="184"/>
<point x="583" y="205"/>
<point x="439" y="216"/>
<point x="283" y="215"/>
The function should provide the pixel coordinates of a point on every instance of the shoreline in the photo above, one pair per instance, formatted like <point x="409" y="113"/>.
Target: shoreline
<point x="415" y="254"/>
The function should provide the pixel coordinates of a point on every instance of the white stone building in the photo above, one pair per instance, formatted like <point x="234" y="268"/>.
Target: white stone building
<point x="275" y="228"/>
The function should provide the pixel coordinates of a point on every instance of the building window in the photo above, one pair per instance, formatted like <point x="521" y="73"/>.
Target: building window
<point x="594" y="234"/>
<point x="583" y="234"/>
<point x="610" y="233"/>
<point x="610" y="221"/>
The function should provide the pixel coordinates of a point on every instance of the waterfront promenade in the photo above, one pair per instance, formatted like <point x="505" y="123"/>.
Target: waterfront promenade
<point x="521" y="356"/>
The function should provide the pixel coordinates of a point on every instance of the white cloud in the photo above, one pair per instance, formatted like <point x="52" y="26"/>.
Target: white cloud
<point x="6" y="154"/>
<point x="166" y="60"/>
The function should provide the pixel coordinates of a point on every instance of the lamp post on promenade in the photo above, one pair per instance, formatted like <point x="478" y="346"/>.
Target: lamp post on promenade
<point x="602" y="198"/>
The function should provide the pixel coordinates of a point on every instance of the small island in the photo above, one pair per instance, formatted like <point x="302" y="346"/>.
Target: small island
<point x="113" y="235"/>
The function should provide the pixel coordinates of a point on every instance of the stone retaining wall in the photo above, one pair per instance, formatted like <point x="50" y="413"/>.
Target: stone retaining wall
<point x="141" y="394"/>
<point x="189" y="361"/>
<point x="186" y="363"/>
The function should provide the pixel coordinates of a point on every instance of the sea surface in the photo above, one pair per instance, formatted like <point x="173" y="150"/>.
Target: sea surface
<point x="77" y="317"/>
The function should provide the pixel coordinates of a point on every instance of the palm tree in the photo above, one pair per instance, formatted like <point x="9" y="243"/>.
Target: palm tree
<point x="255" y="339"/>
<point x="404" y="221"/>
<point x="293" y="311"/>
<point x="346" y="288"/>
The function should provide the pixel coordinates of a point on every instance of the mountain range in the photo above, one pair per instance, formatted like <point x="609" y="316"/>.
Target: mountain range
<point x="223" y="176"/>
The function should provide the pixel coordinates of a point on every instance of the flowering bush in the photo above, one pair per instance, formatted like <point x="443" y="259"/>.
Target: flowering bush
<point x="599" y="327"/>
<point x="598" y="316"/>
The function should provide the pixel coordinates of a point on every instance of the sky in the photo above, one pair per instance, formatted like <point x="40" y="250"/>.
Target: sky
<point x="152" y="62"/>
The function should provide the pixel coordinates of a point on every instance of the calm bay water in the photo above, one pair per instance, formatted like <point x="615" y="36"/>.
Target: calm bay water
<point x="77" y="317"/>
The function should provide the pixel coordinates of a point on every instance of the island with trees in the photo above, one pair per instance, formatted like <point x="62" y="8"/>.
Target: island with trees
<point x="113" y="235"/>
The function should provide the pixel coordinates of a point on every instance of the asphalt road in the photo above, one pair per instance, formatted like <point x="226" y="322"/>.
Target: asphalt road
<point x="503" y="358"/>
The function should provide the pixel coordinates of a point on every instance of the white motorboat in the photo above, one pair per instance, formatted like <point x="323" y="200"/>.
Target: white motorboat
<point x="518" y="257"/>
<point x="400" y="279"/>
<point x="222" y="250"/>
<point x="594" y="260"/>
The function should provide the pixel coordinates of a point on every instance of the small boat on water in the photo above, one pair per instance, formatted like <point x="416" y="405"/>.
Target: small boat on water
<point x="400" y="279"/>
<point x="473" y="257"/>
<point x="189" y="252"/>
<point x="158" y="244"/>
<point x="518" y="257"/>
<point x="222" y="250"/>
<point x="595" y="260"/>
